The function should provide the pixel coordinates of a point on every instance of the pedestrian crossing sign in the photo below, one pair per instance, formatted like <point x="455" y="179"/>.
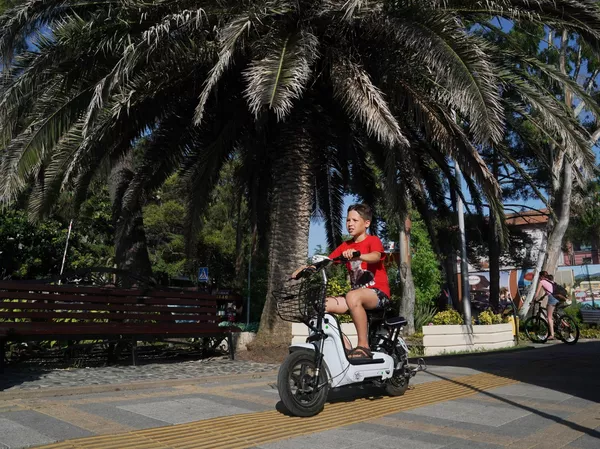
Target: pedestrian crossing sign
<point x="203" y="274"/>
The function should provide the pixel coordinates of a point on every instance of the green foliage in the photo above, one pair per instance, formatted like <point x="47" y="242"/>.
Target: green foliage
<point x="31" y="251"/>
<point x="425" y="264"/>
<point x="427" y="276"/>
<point x="589" y="332"/>
<point x="218" y="245"/>
<point x="489" y="317"/>
<point x="447" y="317"/>
<point x="424" y="314"/>
<point x="337" y="285"/>
<point x="574" y="311"/>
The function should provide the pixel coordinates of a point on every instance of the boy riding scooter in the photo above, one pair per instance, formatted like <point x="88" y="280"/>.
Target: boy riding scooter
<point x="368" y="278"/>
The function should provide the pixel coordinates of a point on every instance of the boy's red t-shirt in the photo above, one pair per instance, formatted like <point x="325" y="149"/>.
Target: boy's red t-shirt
<point x="358" y="267"/>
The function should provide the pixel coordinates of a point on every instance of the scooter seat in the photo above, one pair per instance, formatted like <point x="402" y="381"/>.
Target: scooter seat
<point x="398" y="321"/>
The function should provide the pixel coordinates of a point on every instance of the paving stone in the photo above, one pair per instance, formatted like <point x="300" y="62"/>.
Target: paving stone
<point x="585" y="442"/>
<point x="441" y="422"/>
<point x="183" y="411"/>
<point x="530" y="391"/>
<point x="466" y="444"/>
<point x="47" y="425"/>
<point x="125" y="417"/>
<point x="392" y="434"/>
<point x="470" y="412"/>
<point x="14" y="435"/>
<point x="575" y="401"/>
<point x="351" y="438"/>
<point x="528" y="425"/>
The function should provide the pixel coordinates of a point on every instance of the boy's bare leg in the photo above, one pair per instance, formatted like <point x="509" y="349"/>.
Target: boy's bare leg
<point x="357" y="301"/>
<point x="337" y="304"/>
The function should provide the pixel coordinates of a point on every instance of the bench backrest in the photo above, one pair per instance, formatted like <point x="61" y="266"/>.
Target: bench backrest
<point x="68" y="303"/>
<point x="590" y="316"/>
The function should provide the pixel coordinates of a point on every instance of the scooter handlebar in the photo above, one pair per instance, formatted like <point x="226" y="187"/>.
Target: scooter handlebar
<point x="323" y="263"/>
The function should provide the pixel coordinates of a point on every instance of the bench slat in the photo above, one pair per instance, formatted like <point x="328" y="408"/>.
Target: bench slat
<point x="103" y="307"/>
<point x="60" y="329"/>
<point x="106" y="316"/>
<point x="111" y="291"/>
<point x="105" y="298"/>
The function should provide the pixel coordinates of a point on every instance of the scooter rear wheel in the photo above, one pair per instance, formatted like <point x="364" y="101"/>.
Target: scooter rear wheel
<point x="297" y="386"/>
<point x="397" y="385"/>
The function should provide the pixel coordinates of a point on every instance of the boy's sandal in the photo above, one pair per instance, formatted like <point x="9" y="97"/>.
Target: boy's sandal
<point x="360" y="352"/>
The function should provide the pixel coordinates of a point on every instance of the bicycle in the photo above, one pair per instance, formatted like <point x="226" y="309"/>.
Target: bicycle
<point x="538" y="330"/>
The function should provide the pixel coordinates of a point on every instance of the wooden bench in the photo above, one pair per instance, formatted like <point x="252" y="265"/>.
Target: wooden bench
<point x="590" y="316"/>
<point x="31" y="311"/>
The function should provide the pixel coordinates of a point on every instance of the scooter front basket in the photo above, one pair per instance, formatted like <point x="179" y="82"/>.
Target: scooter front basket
<point x="301" y="301"/>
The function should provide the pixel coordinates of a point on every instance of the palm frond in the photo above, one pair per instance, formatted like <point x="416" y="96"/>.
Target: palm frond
<point x="281" y="76"/>
<point x="228" y="40"/>
<point x="551" y="117"/>
<point x="364" y="102"/>
<point x="458" y="62"/>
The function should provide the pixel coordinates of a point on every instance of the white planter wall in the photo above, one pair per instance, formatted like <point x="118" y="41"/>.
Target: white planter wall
<point x="454" y="338"/>
<point x="300" y="333"/>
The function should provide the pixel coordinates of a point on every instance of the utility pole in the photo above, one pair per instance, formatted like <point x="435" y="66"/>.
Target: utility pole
<point x="464" y="267"/>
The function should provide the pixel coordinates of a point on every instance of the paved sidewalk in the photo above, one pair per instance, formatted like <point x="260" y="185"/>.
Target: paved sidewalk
<point x="543" y="398"/>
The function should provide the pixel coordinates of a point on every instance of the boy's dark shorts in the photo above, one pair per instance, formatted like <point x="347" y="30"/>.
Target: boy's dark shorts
<point x="384" y="301"/>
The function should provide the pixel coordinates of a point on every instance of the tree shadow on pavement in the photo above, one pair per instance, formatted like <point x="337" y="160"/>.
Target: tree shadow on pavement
<point x="573" y="370"/>
<point x="549" y="416"/>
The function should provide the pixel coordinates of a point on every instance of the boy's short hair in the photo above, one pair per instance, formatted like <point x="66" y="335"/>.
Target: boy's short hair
<point x="363" y="210"/>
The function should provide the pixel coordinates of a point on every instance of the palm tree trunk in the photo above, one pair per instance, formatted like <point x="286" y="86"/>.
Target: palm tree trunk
<point x="407" y="285"/>
<point x="131" y="249"/>
<point x="291" y="205"/>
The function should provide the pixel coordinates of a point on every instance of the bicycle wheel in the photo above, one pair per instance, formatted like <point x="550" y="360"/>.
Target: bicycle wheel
<point x="536" y="329"/>
<point x="566" y="329"/>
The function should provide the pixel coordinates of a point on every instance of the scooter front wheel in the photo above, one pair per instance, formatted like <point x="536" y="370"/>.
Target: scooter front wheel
<point x="298" y="388"/>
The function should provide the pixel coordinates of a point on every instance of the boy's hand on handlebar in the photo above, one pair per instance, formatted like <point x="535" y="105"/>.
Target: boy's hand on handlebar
<point x="350" y="254"/>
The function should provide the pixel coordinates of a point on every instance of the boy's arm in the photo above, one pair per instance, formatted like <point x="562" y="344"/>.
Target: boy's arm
<point x="375" y="254"/>
<point x="372" y="257"/>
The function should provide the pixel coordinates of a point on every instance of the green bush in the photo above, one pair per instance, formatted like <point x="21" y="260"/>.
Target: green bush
<point x="337" y="287"/>
<point x="447" y="317"/>
<point x="488" y="317"/>
<point x="590" y="333"/>
<point x="574" y="312"/>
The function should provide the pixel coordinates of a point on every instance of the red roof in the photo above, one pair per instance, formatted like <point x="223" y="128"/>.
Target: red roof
<point x="527" y="217"/>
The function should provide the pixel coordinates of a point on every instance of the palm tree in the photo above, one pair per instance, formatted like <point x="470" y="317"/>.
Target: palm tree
<point x="277" y="80"/>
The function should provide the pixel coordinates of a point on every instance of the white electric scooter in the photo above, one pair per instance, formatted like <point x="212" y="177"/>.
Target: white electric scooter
<point x="312" y="368"/>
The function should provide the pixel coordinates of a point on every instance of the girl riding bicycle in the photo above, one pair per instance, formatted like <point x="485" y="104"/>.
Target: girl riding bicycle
<point x="546" y="284"/>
